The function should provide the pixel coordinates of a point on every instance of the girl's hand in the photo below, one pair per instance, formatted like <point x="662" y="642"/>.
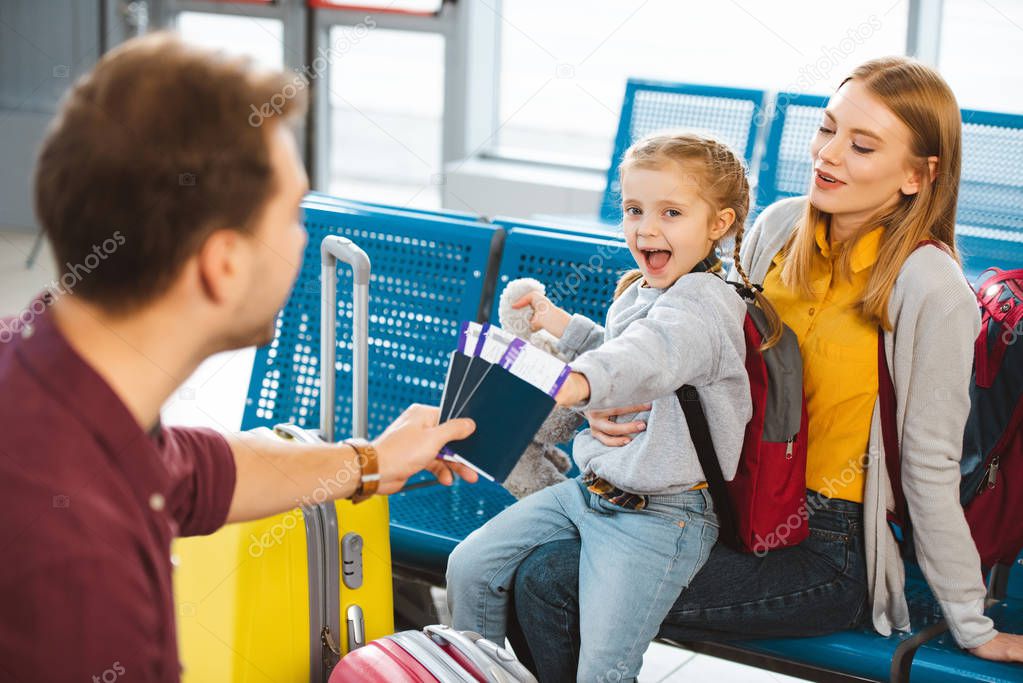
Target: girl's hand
<point x="546" y="316"/>
<point x="1004" y="647"/>
<point x="576" y="389"/>
<point x="611" y="433"/>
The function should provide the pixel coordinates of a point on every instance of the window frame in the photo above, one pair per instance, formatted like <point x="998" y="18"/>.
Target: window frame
<point x="472" y="31"/>
<point x="923" y="41"/>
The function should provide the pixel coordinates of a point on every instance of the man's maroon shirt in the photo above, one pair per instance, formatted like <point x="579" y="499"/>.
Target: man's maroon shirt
<point x="89" y="504"/>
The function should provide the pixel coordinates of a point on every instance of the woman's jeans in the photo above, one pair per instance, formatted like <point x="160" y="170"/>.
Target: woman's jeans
<point x="632" y="566"/>
<point x="817" y="587"/>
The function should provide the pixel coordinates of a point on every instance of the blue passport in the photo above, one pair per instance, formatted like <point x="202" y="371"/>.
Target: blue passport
<point x="507" y="410"/>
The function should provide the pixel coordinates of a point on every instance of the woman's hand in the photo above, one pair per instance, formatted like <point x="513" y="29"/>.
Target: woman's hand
<point x="411" y="443"/>
<point x="1004" y="647"/>
<point x="546" y="316"/>
<point x="611" y="433"/>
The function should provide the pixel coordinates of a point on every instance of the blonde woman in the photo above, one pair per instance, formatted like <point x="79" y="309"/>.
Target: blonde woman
<point x="838" y="264"/>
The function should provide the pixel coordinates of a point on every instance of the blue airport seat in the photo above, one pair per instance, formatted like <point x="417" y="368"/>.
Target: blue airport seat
<point x="989" y="222"/>
<point x="583" y="224"/>
<point x="733" y="115"/>
<point x="786" y="168"/>
<point x="942" y="661"/>
<point x="428" y="520"/>
<point x="1014" y="586"/>
<point x="855" y="652"/>
<point x="860" y="654"/>
<point x="428" y="275"/>
<point x="331" y="200"/>
<point x="559" y="225"/>
<point x="581" y="271"/>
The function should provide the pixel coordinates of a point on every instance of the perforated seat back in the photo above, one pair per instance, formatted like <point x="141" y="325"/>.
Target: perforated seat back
<point x="427" y="276"/>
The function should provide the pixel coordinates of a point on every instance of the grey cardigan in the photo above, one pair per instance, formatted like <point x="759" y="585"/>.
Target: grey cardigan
<point x="936" y="320"/>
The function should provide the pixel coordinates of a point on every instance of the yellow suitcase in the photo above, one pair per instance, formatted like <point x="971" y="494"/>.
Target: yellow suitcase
<point x="282" y="598"/>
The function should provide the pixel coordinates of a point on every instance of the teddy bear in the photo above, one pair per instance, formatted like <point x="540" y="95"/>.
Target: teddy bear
<point x="542" y="463"/>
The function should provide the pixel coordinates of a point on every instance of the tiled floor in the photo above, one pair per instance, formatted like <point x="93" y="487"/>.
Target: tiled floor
<point x="214" y="396"/>
<point x="667" y="664"/>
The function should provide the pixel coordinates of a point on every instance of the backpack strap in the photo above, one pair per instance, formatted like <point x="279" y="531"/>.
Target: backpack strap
<point x="934" y="243"/>
<point x="898" y="519"/>
<point x="711" y="264"/>
<point x="699" y="432"/>
<point x="748" y="294"/>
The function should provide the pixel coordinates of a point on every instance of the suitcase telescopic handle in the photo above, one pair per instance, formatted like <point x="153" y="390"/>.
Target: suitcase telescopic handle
<point x="334" y="249"/>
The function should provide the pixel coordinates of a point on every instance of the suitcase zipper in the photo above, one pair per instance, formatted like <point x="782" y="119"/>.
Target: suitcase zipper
<point x="331" y="591"/>
<point x="328" y="641"/>
<point x="320" y="527"/>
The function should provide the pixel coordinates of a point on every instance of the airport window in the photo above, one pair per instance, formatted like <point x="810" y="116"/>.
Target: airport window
<point x="562" y="75"/>
<point x="387" y="97"/>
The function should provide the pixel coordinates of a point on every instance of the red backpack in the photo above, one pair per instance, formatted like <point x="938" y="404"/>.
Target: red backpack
<point x="764" y="506"/>
<point x="992" y="464"/>
<point x="992" y="460"/>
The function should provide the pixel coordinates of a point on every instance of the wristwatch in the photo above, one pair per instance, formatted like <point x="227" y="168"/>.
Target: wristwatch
<point x="369" y="466"/>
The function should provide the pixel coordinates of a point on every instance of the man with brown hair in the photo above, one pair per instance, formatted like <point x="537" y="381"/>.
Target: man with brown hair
<point x="177" y="225"/>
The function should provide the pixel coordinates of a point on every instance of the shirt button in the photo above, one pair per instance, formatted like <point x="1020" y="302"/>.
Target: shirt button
<point x="157" y="502"/>
<point x="812" y="310"/>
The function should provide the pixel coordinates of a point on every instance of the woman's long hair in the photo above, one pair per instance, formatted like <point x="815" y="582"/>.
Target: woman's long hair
<point x="922" y="100"/>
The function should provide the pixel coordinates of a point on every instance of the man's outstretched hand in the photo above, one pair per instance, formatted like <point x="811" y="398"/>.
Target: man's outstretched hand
<point x="411" y="444"/>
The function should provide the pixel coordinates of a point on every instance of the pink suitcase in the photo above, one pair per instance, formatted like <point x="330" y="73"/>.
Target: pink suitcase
<point x="437" y="654"/>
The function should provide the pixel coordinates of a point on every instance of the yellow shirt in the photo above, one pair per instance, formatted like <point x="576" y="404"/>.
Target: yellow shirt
<point x="839" y="349"/>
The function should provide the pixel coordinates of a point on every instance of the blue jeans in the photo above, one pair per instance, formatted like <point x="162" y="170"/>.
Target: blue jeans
<point x="631" y="567"/>
<point x="815" y="588"/>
